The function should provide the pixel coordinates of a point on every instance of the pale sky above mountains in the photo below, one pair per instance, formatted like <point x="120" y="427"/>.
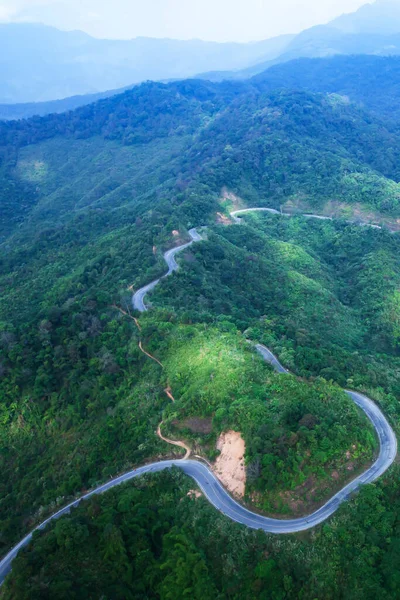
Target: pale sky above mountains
<point x="218" y="20"/>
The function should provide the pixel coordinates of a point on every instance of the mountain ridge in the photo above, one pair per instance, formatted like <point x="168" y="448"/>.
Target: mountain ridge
<point x="381" y="37"/>
<point x="78" y="64"/>
<point x="91" y="200"/>
<point x="44" y="63"/>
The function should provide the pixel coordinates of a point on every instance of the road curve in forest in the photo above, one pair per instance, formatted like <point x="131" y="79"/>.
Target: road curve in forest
<point x="169" y="257"/>
<point x="205" y="478"/>
<point x="273" y="211"/>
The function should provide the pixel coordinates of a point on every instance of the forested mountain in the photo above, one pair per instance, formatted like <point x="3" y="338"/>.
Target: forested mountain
<point x="233" y="135"/>
<point x="90" y="200"/>
<point x="371" y="81"/>
<point x="44" y="63"/>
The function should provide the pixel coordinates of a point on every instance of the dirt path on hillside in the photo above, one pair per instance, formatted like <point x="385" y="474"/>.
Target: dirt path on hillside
<point x="127" y="314"/>
<point x="174" y="442"/>
<point x="168" y="390"/>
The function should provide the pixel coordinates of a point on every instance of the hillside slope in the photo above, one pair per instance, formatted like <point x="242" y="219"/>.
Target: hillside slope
<point x="230" y="134"/>
<point x="93" y="198"/>
<point x="372" y="81"/>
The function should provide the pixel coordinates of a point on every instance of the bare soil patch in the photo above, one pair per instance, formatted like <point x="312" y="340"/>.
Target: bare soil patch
<point x="194" y="494"/>
<point x="236" y="201"/>
<point x="229" y="466"/>
<point x="222" y="219"/>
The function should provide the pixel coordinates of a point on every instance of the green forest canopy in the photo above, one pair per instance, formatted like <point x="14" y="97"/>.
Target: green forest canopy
<point x="90" y="202"/>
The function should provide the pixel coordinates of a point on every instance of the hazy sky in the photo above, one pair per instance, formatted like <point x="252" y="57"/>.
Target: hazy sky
<point x="221" y="20"/>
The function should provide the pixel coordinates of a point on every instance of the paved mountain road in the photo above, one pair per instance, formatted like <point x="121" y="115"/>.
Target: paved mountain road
<point x="169" y="257"/>
<point x="271" y="358"/>
<point x="206" y="479"/>
<point x="284" y="214"/>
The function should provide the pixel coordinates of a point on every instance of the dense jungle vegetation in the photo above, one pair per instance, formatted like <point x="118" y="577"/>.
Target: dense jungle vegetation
<point x="372" y="81"/>
<point x="150" y="539"/>
<point x="90" y="200"/>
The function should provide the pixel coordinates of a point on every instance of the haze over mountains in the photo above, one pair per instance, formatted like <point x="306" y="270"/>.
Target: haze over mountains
<point x="382" y="17"/>
<point x="373" y="29"/>
<point x="44" y="64"/>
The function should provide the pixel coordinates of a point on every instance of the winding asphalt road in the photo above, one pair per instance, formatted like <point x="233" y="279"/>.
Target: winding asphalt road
<point x="284" y="214"/>
<point x="205" y="478"/>
<point x="169" y="257"/>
